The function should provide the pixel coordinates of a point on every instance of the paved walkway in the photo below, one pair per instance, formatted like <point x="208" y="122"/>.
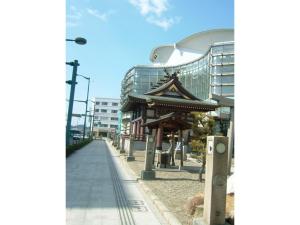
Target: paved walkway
<point x="100" y="191"/>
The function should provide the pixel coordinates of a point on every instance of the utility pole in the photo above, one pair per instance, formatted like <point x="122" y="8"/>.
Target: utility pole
<point x="86" y="105"/>
<point x="92" y="128"/>
<point x="75" y="64"/>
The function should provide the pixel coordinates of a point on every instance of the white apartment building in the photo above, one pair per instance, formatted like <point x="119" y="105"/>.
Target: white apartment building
<point x="105" y="119"/>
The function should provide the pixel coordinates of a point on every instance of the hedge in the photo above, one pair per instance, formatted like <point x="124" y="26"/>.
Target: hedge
<point x="72" y="148"/>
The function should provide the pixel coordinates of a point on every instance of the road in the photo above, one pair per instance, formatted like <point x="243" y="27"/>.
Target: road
<point x="99" y="190"/>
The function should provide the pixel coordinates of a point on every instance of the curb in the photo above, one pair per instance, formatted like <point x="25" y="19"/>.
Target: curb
<point x="162" y="209"/>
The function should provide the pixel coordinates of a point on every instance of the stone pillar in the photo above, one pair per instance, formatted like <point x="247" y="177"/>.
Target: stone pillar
<point x="118" y="141"/>
<point x="148" y="173"/>
<point x="159" y="138"/>
<point x="130" y="156"/>
<point x="215" y="182"/>
<point x="122" y="145"/>
<point x="230" y="135"/>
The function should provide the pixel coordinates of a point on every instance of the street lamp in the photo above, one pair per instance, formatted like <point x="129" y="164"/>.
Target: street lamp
<point x="86" y="102"/>
<point x="73" y="82"/>
<point x="78" y="40"/>
<point x="75" y="64"/>
<point x="93" y="117"/>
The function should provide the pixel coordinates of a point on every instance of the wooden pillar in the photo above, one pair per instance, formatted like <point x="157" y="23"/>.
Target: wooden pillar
<point x="138" y="130"/>
<point x="172" y="150"/>
<point x="155" y="139"/>
<point x="141" y="130"/>
<point x="181" y="147"/>
<point x="130" y="128"/>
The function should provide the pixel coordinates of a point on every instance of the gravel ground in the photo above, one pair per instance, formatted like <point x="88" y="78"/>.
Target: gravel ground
<point x="172" y="186"/>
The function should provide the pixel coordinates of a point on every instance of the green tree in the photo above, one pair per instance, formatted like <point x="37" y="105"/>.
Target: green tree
<point x="203" y="126"/>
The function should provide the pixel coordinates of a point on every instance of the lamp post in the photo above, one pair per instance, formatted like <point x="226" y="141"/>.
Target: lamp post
<point x="75" y="64"/>
<point x="86" y="103"/>
<point x="93" y="117"/>
<point x="78" y="40"/>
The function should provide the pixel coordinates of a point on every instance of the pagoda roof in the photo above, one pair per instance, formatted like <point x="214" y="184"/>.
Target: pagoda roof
<point x="176" y="122"/>
<point x="170" y="94"/>
<point x="172" y="88"/>
<point x="153" y="101"/>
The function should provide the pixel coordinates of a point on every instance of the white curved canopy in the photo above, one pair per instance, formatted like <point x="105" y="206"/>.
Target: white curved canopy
<point x="190" y="48"/>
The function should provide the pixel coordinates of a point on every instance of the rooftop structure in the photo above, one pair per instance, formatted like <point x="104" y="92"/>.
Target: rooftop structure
<point x="205" y="61"/>
<point x="105" y="116"/>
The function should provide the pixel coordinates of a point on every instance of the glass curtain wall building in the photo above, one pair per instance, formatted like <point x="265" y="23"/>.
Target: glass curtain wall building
<point x="211" y="72"/>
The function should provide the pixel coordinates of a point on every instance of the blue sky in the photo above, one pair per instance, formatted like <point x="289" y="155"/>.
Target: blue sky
<point x="121" y="34"/>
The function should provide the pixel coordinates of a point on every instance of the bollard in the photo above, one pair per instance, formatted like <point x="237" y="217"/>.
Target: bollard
<point x="130" y="156"/>
<point x="122" y="145"/>
<point x="148" y="173"/>
<point x="215" y="182"/>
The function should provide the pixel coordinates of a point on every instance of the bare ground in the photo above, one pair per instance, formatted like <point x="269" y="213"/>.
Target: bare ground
<point x="172" y="186"/>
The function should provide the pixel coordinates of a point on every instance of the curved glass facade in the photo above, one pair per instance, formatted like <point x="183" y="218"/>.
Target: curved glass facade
<point x="212" y="73"/>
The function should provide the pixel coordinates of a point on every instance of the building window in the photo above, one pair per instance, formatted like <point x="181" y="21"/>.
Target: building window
<point x="103" y="118"/>
<point x="96" y="118"/>
<point x="103" y="125"/>
<point x="228" y="69"/>
<point x="114" y="111"/>
<point x="104" y="103"/>
<point x="113" y="126"/>
<point x="96" y="110"/>
<point x="103" y="110"/>
<point x="227" y="90"/>
<point x="114" y="104"/>
<point x="227" y="79"/>
<point x="114" y="118"/>
<point x="97" y="103"/>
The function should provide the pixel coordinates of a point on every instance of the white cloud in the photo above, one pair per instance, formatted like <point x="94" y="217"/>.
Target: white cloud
<point x="163" y="22"/>
<point x="74" y="17"/>
<point x="101" y="16"/>
<point x="153" y="11"/>
<point x="150" y="6"/>
<point x="71" y="24"/>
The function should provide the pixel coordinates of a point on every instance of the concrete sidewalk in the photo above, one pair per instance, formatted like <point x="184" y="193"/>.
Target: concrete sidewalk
<point x="100" y="191"/>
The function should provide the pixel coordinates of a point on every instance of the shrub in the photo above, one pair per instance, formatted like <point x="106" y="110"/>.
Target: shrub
<point x="72" y="148"/>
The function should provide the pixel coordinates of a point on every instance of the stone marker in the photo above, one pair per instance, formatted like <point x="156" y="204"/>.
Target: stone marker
<point x="215" y="182"/>
<point x="148" y="173"/>
<point x="130" y="156"/>
<point x="122" y="145"/>
<point x="118" y="141"/>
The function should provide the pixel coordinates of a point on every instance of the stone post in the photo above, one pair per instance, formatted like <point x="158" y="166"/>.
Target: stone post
<point x="159" y="138"/>
<point x="130" y="156"/>
<point x="148" y="173"/>
<point x="118" y="141"/>
<point x="215" y="182"/>
<point x="230" y="135"/>
<point x="122" y="145"/>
